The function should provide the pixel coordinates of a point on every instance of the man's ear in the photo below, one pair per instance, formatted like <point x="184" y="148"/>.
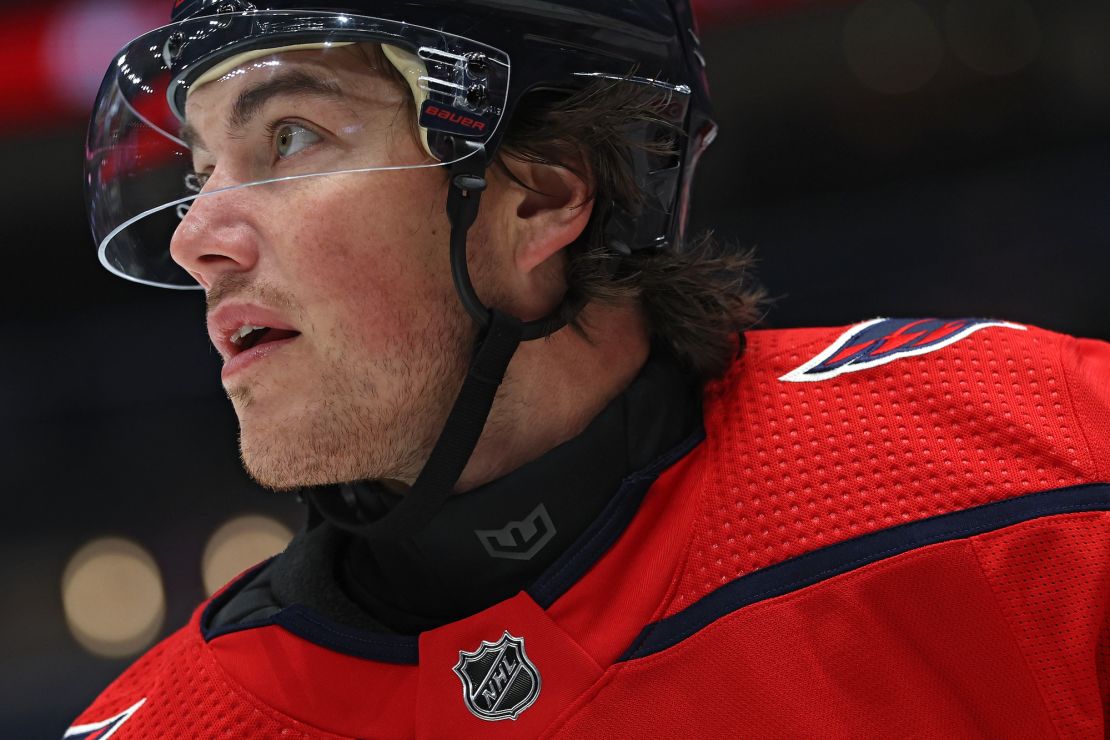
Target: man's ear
<point x="549" y="207"/>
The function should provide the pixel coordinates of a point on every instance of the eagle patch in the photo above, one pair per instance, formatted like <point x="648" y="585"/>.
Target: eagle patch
<point x="880" y="341"/>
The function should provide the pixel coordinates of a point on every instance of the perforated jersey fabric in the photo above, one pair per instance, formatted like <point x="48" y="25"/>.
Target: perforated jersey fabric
<point x="930" y="544"/>
<point x="1088" y="368"/>
<point x="928" y="644"/>
<point x="1051" y="582"/>
<point x="800" y="466"/>
<point x="187" y="695"/>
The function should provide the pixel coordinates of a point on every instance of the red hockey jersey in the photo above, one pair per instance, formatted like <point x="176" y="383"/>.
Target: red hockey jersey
<point x="898" y="529"/>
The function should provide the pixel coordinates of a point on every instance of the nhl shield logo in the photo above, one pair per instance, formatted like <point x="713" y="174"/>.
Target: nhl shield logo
<point x="499" y="682"/>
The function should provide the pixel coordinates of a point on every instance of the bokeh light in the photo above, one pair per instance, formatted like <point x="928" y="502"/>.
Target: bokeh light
<point x="113" y="597"/>
<point x="239" y="544"/>
<point x="892" y="46"/>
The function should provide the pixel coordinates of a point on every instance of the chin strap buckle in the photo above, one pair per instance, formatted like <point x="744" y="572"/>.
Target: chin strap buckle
<point x="467" y="184"/>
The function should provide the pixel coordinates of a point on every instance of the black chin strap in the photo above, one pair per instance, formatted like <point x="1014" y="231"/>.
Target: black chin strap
<point x="468" y="182"/>
<point x="501" y="335"/>
<point x="451" y="452"/>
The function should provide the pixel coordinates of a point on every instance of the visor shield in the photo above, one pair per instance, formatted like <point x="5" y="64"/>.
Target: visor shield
<point x="213" y="104"/>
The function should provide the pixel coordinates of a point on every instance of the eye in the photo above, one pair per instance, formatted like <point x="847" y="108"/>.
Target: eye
<point x="289" y="138"/>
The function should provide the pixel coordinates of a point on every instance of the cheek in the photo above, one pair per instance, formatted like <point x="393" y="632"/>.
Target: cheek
<point x="373" y="256"/>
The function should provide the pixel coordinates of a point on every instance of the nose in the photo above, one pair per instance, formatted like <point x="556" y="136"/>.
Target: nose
<point x="216" y="235"/>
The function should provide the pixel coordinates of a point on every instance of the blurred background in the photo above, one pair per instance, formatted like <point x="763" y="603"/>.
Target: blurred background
<point x="885" y="157"/>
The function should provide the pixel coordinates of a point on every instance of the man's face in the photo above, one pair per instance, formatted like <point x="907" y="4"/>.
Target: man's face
<point x="352" y="267"/>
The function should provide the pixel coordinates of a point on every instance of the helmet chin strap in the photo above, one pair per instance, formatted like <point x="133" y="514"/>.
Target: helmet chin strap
<point x="500" y="336"/>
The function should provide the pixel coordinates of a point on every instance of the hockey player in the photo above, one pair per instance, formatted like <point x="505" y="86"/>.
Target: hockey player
<point x="552" y="489"/>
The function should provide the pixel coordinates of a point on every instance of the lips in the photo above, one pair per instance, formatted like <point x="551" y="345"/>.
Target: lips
<point x="246" y="333"/>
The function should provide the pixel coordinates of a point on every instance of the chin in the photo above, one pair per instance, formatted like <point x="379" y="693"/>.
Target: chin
<point x="279" y="475"/>
<point x="293" y="460"/>
<point x="350" y="423"/>
<point x="283" y="465"/>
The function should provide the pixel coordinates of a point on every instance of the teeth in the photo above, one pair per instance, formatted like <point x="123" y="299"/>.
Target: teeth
<point x="238" y="337"/>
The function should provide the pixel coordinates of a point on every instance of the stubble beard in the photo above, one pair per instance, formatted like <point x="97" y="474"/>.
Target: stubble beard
<point x="355" y="427"/>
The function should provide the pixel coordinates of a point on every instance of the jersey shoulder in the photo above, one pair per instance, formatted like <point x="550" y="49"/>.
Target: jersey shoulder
<point x="884" y="377"/>
<point x="141" y="690"/>
<point x="819" y="436"/>
<point x="178" y="689"/>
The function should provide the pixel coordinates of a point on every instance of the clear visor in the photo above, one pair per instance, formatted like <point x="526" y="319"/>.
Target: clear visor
<point x="213" y="104"/>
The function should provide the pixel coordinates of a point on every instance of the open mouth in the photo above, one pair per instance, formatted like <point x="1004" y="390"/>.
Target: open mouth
<point x="249" y="336"/>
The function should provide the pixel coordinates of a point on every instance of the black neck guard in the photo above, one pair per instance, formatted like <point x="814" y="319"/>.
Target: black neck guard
<point x="485" y="545"/>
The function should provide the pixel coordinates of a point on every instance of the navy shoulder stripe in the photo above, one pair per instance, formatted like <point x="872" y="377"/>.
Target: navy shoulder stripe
<point x="819" y="565"/>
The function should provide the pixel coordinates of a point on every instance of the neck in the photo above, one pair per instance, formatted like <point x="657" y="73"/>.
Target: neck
<point x="555" y="386"/>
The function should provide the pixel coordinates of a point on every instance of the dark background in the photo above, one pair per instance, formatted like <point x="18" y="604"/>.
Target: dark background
<point x="891" y="157"/>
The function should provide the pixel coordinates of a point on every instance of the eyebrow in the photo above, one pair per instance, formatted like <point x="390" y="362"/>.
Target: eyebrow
<point x="253" y="99"/>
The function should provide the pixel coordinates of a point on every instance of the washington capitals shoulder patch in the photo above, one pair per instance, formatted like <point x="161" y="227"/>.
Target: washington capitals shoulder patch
<point x="103" y="729"/>
<point x="879" y="341"/>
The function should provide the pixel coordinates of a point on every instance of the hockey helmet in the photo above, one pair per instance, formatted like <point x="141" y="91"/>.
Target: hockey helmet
<point x="468" y="62"/>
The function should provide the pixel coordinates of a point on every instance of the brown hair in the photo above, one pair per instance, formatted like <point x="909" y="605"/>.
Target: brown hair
<point x="698" y="297"/>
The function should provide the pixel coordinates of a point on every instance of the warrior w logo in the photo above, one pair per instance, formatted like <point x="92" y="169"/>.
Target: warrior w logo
<point x="499" y="682"/>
